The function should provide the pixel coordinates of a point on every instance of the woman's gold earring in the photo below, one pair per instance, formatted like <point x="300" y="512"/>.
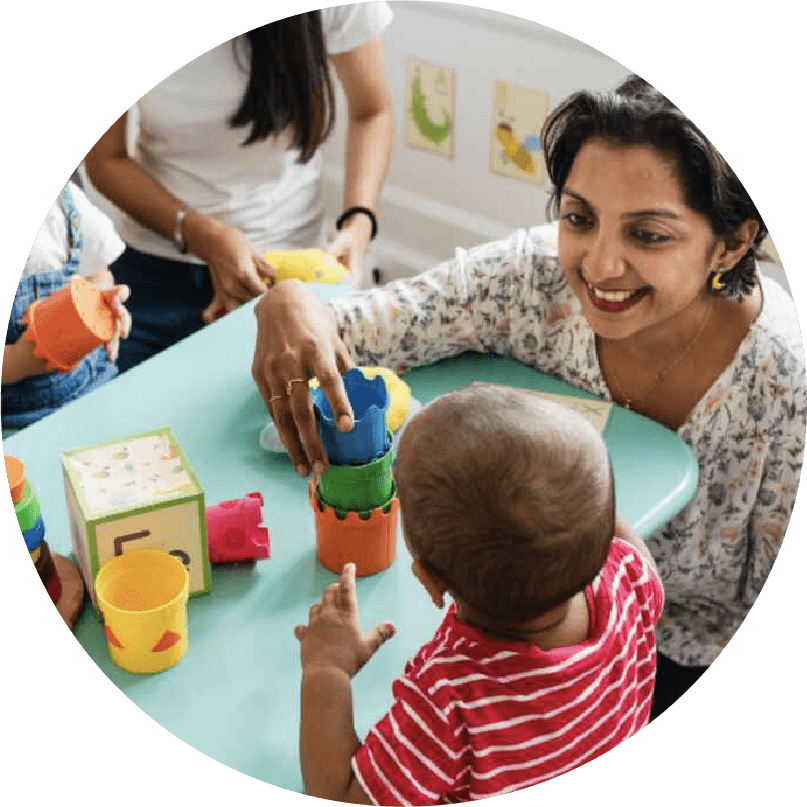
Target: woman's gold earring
<point x="717" y="281"/>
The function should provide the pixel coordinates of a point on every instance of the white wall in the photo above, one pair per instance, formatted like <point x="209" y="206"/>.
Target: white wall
<point x="431" y="204"/>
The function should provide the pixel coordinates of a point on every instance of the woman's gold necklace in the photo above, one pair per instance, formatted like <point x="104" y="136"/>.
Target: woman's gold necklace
<point x="629" y="403"/>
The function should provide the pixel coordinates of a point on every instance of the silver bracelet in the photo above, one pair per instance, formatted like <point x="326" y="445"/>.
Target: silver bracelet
<point x="179" y="235"/>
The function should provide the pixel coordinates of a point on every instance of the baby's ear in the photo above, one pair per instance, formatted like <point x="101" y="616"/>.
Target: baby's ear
<point x="431" y="581"/>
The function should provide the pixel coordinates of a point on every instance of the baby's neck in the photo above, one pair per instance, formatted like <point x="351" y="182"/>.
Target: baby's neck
<point x="565" y="625"/>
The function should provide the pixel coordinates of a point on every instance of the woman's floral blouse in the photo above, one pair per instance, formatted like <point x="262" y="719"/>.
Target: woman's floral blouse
<point x="747" y="433"/>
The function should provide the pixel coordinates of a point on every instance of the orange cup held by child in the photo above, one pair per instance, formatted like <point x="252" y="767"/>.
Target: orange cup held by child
<point x="69" y="324"/>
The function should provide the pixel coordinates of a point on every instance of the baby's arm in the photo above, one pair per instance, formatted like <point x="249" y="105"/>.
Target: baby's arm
<point x="332" y="651"/>
<point x="20" y="363"/>
<point x="626" y="532"/>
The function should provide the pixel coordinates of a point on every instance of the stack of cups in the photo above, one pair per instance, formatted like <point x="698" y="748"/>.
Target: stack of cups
<point x="355" y="503"/>
<point x="29" y="517"/>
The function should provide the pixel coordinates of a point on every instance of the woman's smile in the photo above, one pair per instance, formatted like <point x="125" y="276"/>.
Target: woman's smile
<point x="615" y="301"/>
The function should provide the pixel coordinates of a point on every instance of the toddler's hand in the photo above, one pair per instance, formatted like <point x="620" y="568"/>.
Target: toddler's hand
<point x="117" y="296"/>
<point x="333" y="637"/>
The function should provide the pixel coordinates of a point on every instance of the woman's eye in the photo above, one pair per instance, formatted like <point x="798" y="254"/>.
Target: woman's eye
<point x="576" y="219"/>
<point x="647" y="237"/>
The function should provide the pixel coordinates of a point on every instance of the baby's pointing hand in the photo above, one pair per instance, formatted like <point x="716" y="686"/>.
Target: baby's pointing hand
<point x="333" y="636"/>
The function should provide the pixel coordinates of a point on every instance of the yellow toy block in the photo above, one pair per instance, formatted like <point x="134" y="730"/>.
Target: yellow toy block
<point x="138" y="492"/>
<point x="308" y="265"/>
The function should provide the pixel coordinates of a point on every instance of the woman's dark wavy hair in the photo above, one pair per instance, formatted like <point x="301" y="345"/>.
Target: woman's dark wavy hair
<point x="289" y="84"/>
<point x="638" y="114"/>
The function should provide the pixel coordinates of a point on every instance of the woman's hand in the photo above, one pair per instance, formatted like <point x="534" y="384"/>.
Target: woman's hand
<point x="349" y="246"/>
<point x="237" y="270"/>
<point x="298" y="339"/>
<point x="333" y="638"/>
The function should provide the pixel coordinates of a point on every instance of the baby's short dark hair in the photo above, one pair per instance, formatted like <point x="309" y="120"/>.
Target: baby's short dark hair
<point x="507" y="497"/>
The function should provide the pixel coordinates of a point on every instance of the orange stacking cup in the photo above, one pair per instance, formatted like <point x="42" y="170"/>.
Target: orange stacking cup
<point x="368" y="542"/>
<point x="16" y="473"/>
<point x="69" y="324"/>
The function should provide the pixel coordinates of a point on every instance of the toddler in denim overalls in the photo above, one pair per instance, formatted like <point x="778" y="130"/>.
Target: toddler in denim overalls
<point x="26" y="398"/>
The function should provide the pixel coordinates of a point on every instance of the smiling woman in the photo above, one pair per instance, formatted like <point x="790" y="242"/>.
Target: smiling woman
<point x="642" y="263"/>
<point x="658" y="239"/>
<point x="645" y="292"/>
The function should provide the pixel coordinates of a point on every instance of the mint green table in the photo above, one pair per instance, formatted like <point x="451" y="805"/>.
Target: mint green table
<point x="235" y="694"/>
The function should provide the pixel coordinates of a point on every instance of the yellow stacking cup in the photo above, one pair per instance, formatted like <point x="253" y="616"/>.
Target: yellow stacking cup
<point x="143" y="599"/>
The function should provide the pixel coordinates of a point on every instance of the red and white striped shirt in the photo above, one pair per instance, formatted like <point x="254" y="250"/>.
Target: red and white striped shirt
<point x="475" y="717"/>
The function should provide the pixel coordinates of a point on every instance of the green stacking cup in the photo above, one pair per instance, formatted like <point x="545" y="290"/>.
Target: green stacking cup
<point x="359" y="487"/>
<point x="27" y="508"/>
<point x="362" y="513"/>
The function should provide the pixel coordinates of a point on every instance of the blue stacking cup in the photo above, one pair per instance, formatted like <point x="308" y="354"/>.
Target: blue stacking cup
<point x="34" y="536"/>
<point x="367" y="440"/>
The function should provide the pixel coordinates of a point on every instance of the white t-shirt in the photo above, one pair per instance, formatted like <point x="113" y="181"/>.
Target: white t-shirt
<point x="51" y="248"/>
<point x="185" y="142"/>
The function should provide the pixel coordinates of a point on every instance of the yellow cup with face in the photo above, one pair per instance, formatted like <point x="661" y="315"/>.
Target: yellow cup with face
<point x="143" y="599"/>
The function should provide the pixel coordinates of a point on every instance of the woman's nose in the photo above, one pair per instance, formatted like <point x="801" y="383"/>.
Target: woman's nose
<point x="603" y="260"/>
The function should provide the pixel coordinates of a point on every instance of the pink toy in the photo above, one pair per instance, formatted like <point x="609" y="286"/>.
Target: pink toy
<point x="235" y="532"/>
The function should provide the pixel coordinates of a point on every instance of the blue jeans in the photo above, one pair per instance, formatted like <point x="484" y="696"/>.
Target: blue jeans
<point x="167" y="301"/>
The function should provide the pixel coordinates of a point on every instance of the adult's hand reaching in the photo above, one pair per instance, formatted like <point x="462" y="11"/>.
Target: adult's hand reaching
<point x="298" y="339"/>
<point x="238" y="271"/>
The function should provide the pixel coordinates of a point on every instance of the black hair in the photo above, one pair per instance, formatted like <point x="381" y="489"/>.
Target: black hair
<point x="289" y="84"/>
<point x="638" y="114"/>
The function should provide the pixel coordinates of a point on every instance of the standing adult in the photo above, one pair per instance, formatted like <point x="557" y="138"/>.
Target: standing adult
<point x="646" y="292"/>
<point x="227" y="166"/>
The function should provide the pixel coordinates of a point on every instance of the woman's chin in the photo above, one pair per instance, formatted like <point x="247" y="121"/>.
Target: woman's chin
<point x="609" y="325"/>
<point x="612" y="321"/>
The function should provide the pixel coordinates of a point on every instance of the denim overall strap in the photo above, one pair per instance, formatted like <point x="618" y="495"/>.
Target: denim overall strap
<point x="35" y="397"/>
<point x="42" y="284"/>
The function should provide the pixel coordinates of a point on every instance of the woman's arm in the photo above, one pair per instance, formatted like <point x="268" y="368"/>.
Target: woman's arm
<point x="369" y="141"/>
<point x="237" y="268"/>
<point x="776" y="494"/>
<point x="118" y="177"/>
<point x="468" y="304"/>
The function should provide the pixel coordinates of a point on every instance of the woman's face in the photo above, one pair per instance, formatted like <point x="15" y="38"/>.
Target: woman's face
<point x="633" y="251"/>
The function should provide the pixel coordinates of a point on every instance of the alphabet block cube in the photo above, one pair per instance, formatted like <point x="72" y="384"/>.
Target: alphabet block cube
<point x="138" y="492"/>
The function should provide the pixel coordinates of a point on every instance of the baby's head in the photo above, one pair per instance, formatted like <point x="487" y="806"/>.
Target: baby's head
<point x="507" y="498"/>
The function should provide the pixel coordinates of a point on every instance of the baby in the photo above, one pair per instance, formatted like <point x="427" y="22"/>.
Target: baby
<point x="546" y="657"/>
<point x="76" y="238"/>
